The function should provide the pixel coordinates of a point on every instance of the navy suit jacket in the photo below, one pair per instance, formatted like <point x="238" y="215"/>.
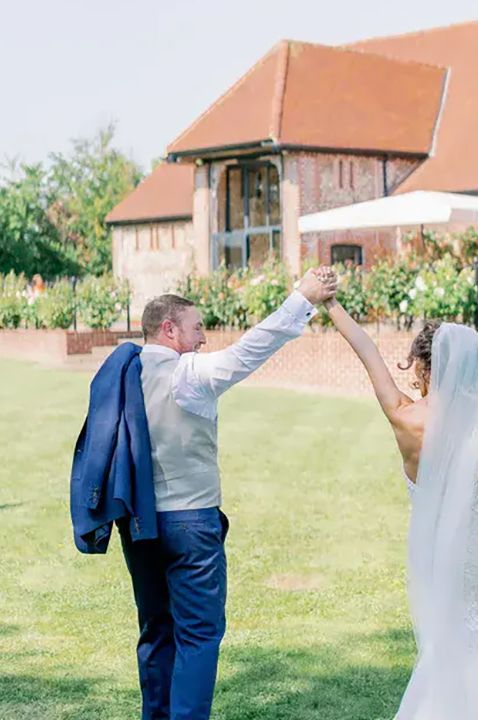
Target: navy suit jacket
<point x="112" y="474"/>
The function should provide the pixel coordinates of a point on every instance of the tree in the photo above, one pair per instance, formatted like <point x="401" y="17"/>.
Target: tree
<point x="52" y="217"/>
<point x="86" y="185"/>
<point x="29" y="242"/>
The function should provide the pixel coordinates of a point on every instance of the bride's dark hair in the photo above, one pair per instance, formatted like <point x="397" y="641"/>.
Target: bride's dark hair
<point x="421" y="348"/>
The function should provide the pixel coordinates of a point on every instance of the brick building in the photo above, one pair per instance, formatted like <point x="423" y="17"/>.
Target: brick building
<point x="308" y="128"/>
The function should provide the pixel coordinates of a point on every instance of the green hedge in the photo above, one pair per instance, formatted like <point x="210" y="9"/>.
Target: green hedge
<point x="99" y="302"/>
<point x="398" y="290"/>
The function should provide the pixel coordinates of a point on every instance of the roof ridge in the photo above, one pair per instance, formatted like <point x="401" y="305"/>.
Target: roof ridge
<point x="276" y="48"/>
<point x="279" y="90"/>
<point x="386" y="56"/>
<point x="436" y="129"/>
<point x="414" y="33"/>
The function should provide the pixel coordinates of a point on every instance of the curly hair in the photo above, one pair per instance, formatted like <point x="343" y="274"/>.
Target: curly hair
<point x="421" y="348"/>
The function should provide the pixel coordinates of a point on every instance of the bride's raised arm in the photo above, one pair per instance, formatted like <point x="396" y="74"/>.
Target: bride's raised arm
<point x="390" y="397"/>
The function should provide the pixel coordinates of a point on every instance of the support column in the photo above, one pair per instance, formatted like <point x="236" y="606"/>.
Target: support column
<point x="201" y="220"/>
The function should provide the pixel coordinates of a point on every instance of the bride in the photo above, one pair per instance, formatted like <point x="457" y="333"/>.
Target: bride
<point x="438" y="439"/>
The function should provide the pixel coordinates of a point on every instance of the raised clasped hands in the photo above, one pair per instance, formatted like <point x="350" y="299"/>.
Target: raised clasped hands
<point x="319" y="285"/>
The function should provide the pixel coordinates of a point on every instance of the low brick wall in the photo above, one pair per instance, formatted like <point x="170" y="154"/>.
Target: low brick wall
<point x="84" y="341"/>
<point x="319" y="361"/>
<point x="45" y="346"/>
<point x="322" y="361"/>
<point x="54" y="346"/>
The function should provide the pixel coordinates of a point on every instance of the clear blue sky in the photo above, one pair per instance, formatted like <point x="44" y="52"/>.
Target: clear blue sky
<point x="68" y="67"/>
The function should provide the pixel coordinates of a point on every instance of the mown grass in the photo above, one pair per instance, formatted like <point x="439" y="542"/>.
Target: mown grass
<point x="318" y="622"/>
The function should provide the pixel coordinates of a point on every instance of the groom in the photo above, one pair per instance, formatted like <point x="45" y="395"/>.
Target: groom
<point x="179" y="579"/>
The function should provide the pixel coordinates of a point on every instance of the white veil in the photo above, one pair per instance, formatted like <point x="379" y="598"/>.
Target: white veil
<point x="443" y="549"/>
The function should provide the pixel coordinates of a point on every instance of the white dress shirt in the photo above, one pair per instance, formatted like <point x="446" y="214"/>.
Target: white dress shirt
<point x="200" y="378"/>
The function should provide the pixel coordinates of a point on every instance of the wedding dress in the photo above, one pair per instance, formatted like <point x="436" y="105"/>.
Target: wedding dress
<point x="443" y="539"/>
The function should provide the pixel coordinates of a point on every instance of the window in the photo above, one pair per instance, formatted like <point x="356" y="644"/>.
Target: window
<point x="229" y="251"/>
<point x="252" y="214"/>
<point x="235" y="199"/>
<point x="258" y="249"/>
<point x="252" y="197"/>
<point x="346" y="174"/>
<point x="274" y="195"/>
<point x="341" y="174"/>
<point x="346" y="254"/>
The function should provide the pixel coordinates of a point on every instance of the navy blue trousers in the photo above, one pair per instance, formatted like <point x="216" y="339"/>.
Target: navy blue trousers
<point x="179" y="583"/>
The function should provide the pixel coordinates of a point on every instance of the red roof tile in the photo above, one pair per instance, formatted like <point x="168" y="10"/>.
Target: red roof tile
<point x="316" y="96"/>
<point x="454" y="162"/>
<point x="165" y="194"/>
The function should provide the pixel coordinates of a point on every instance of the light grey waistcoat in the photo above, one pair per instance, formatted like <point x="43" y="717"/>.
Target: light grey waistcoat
<point x="183" y="445"/>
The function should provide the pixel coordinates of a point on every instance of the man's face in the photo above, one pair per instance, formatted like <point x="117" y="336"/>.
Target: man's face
<point x="189" y="333"/>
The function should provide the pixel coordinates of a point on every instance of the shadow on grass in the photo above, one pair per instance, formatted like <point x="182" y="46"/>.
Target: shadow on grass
<point x="262" y="684"/>
<point x="35" y="697"/>
<point x="9" y="506"/>
<point x="25" y="696"/>
<point x="323" y="683"/>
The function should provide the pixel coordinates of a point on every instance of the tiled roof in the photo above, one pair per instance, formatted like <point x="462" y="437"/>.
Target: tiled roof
<point x="165" y="194"/>
<point x="316" y="96"/>
<point x="453" y="165"/>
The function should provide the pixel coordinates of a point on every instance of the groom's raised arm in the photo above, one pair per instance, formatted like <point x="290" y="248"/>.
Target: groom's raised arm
<point x="216" y="372"/>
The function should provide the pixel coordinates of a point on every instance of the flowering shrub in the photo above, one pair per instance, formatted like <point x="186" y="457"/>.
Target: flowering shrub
<point x="443" y="291"/>
<point x="55" y="307"/>
<point x="101" y="301"/>
<point x="468" y="244"/>
<point x="263" y="293"/>
<point x="13" y="300"/>
<point x="401" y="290"/>
<point x="238" y="299"/>
<point x="387" y="289"/>
<point x="218" y="297"/>
<point x="351" y="294"/>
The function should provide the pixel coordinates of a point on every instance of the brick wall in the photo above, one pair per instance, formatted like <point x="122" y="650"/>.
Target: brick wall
<point x="375" y="244"/>
<point x="320" y="361"/>
<point x="45" y="346"/>
<point x="79" y="343"/>
<point x="327" y="181"/>
<point x="153" y="257"/>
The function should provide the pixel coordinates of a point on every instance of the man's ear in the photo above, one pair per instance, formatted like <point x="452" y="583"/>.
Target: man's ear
<point x="167" y="328"/>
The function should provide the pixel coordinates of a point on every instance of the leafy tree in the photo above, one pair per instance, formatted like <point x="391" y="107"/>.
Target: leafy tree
<point x="86" y="185"/>
<point x="29" y="241"/>
<point x="52" y="217"/>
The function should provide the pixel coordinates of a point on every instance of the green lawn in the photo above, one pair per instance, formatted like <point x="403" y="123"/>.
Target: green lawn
<point x="318" y="623"/>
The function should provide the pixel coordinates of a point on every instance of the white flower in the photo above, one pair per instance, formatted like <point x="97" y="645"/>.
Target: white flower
<point x="257" y="280"/>
<point x="420" y="283"/>
<point x="118" y="307"/>
<point x="274" y="282"/>
<point x="404" y="306"/>
<point x="440" y="292"/>
<point x="413" y="293"/>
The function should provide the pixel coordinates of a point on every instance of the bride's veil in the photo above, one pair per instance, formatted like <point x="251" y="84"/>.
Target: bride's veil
<point x="443" y="549"/>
